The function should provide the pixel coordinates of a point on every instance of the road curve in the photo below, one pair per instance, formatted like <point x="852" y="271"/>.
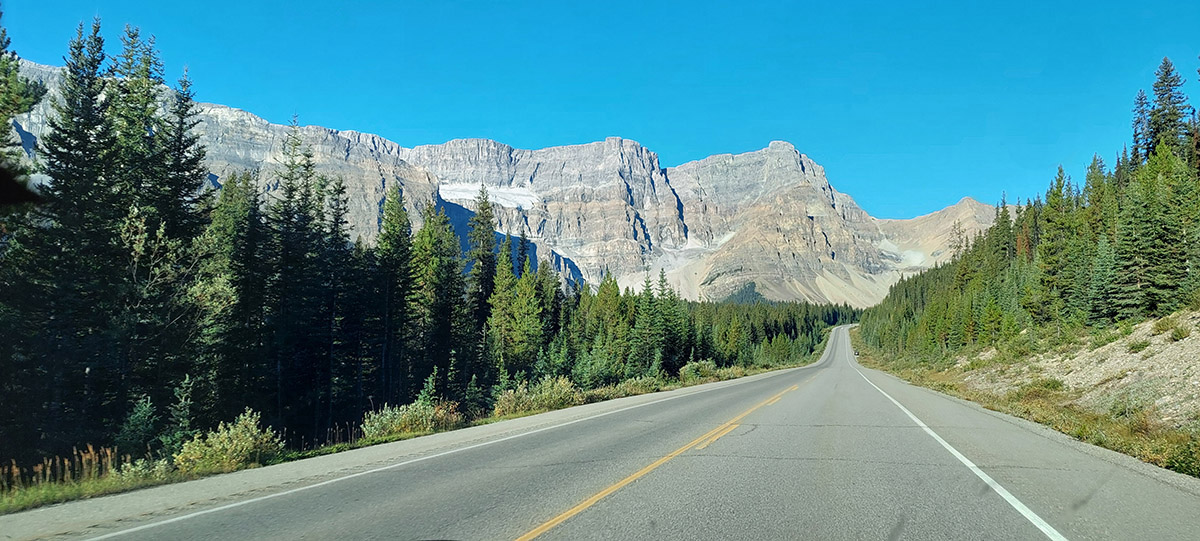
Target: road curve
<point x="829" y="451"/>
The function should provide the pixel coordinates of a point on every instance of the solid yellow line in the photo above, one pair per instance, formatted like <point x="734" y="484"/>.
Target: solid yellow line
<point x="718" y="436"/>
<point x="545" y="527"/>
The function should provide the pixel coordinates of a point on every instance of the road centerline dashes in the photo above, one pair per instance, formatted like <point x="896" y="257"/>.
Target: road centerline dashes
<point x="698" y="443"/>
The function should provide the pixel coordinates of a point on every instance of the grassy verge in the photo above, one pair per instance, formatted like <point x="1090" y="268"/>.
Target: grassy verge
<point x="94" y="473"/>
<point x="1131" y="429"/>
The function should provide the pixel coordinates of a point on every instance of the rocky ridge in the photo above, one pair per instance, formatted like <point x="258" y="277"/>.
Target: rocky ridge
<point x="770" y="216"/>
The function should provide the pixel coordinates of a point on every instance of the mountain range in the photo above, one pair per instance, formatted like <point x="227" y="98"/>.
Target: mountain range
<point x="769" y="219"/>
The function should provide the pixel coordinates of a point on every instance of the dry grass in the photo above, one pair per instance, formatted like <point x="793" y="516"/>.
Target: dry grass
<point x="1130" y="425"/>
<point x="86" y="473"/>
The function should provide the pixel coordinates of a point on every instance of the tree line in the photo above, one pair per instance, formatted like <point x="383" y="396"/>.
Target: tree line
<point x="1123" y="245"/>
<point x="137" y="304"/>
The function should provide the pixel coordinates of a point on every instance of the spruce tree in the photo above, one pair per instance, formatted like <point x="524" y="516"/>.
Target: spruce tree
<point x="67" y="262"/>
<point x="1141" y="129"/>
<point x="185" y="202"/>
<point x="1101" y="289"/>
<point x="138" y="151"/>
<point x="295" y="298"/>
<point x="229" y="294"/>
<point x="1169" y="112"/>
<point x="394" y="257"/>
<point x="1054" y="245"/>
<point x="501" y="319"/>
<point x="522" y="254"/>
<point x="337" y="265"/>
<point x="481" y="278"/>
<point x="437" y="300"/>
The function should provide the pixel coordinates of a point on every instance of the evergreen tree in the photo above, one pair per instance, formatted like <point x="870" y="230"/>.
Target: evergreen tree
<point x="62" y="268"/>
<point x="395" y="264"/>
<point x="501" y="319"/>
<point x="138" y="151"/>
<point x="1141" y="129"/>
<point x="185" y="203"/>
<point x="481" y="278"/>
<point x="522" y="254"/>
<point x="1100" y="291"/>
<point x="1170" y="110"/>
<point x="229" y="294"/>
<point x="646" y="338"/>
<point x="295" y="298"/>
<point x="1054" y="245"/>
<point x="337" y="266"/>
<point x="437" y="302"/>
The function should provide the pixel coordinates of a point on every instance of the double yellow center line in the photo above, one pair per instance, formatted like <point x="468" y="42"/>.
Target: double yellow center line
<point x="699" y="443"/>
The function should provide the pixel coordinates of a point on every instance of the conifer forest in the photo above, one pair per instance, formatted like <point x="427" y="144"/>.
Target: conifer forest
<point x="140" y="308"/>
<point x="1123" y="245"/>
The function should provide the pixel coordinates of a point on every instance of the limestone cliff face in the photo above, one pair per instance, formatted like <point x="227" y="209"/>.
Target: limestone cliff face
<point x="602" y="205"/>
<point x="770" y="217"/>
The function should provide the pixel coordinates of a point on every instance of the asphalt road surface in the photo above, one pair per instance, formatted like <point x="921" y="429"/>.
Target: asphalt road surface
<point x="828" y="451"/>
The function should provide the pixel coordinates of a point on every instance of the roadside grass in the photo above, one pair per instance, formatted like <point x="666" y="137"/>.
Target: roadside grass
<point x="1127" y="427"/>
<point x="99" y="472"/>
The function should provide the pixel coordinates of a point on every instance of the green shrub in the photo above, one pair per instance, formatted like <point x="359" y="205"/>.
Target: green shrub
<point x="138" y="430"/>
<point x="1185" y="457"/>
<point x="549" y="393"/>
<point x="697" y="371"/>
<point x="730" y="372"/>
<point x="1104" y="338"/>
<point x="1040" y="388"/>
<point x="420" y="416"/>
<point x="179" y="429"/>
<point x="1179" y="333"/>
<point x="145" y="469"/>
<point x="1163" y="325"/>
<point x="475" y="402"/>
<point x="233" y="446"/>
<point x="636" y="386"/>
<point x="1138" y="346"/>
<point x="1130" y="403"/>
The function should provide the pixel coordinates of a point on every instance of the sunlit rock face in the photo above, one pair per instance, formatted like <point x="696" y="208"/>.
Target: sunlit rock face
<point x="770" y="216"/>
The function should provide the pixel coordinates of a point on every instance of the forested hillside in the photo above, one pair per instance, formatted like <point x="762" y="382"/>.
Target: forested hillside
<point x="1123" y="244"/>
<point x="138" y="310"/>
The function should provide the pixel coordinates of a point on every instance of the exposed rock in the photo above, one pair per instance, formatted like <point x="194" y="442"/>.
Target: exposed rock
<point x="769" y="217"/>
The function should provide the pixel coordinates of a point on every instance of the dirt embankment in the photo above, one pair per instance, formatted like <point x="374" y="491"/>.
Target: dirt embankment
<point x="1153" y="366"/>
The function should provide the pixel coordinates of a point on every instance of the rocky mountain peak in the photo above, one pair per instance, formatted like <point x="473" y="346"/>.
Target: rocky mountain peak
<point x="768" y="216"/>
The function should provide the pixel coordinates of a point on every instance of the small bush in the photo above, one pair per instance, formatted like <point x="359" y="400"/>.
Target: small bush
<point x="636" y="386"/>
<point x="1179" y="333"/>
<point x="179" y="430"/>
<point x="1138" y="346"/>
<point x="1104" y="338"/>
<point x="420" y="416"/>
<point x="1185" y="457"/>
<point x="697" y="371"/>
<point x="730" y="372"/>
<point x="143" y="469"/>
<point x="1130" y="403"/>
<point x="138" y="430"/>
<point x="475" y="402"/>
<point x="1163" y="325"/>
<point x="549" y="393"/>
<point x="1040" y="388"/>
<point x="233" y="446"/>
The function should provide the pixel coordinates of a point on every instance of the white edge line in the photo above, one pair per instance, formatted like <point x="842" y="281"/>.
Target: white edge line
<point x="1025" y="511"/>
<point x="424" y="458"/>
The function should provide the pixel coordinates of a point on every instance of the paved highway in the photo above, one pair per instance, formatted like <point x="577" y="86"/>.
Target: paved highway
<point x="828" y="451"/>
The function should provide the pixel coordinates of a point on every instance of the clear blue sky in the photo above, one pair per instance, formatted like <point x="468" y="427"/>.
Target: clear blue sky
<point x="908" y="107"/>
